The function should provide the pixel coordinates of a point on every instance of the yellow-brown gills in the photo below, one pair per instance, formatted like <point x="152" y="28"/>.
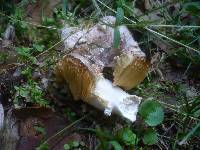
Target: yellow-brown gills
<point x="78" y="76"/>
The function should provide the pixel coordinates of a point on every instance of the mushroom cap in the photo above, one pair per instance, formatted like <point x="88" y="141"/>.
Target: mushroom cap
<point x="79" y="73"/>
<point x="130" y="70"/>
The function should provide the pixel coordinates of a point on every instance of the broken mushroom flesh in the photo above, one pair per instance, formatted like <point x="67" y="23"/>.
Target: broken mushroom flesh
<point x="88" y="52"/>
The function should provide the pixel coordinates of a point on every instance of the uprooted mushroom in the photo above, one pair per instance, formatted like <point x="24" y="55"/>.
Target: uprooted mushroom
<point x="89" y="52"/>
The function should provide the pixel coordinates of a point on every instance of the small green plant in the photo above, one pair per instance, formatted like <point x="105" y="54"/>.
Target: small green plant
<point x="188" y="105"/>
<point x="122" y="138"/>
<point x="25" y="54"/>
<point x="68" y="17"/>
<point x="29" y="93"/>
<point x="152" y="112"/>
<point x="43" y="146"/>
<point x="68" y="113"/>
<point x="3" y="57"/>
<point x="150" y="137"/>
<point x="72" y="145"/>
<point x="40" y="129"/>
<point x="38" y="47"/>
<point x="125" y="138"/>
<point x="188" y="108"/>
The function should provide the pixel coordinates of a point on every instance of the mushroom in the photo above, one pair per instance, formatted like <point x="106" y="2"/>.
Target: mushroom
<point x="89" y="52"/>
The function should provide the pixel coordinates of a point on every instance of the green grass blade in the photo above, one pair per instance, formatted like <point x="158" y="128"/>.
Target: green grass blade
<point x="64" y="6"/>
<point x="116" y="41"/>
<point x="99" y="12"/>
<point x="190" y="134"/>
<point x="119" y="16"/>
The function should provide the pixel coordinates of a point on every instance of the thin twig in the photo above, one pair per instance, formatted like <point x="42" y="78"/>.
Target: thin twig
<point x="188" y="67"/>
<point x="170" y="39"/>
<point x="53" y="45"/>
<point x="172" y="26"/>
<point x="97" y="7"/>
<point x="67" y="127"/>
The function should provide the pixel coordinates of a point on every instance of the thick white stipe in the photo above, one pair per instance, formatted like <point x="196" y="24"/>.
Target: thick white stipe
<point x="113" y="99"/>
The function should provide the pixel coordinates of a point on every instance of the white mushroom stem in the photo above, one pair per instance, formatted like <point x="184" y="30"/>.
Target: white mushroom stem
<point x="109" y="98"/>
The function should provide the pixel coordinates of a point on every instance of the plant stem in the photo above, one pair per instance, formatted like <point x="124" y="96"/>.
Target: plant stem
<point x="172" y="26"/>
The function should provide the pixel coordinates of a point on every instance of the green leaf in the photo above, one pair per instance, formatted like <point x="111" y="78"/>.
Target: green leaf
<point x="48" y="21"/>
<point x="119" y="16"/>
<point x="152" y="112"/>
<point x="104" y="135"/>
<point x="33" y="59"/>
<point x="24" y="25"/>
<point x="74" y="144"/>
<point x="16" y="88"/>
<point x="126" y="136"/>
<point x="38" y="47"/>
<point x="3" y="57"/>
<point x="150" y="137"/>
<point x="192" y="8"/>
<point x="23" y="51"/>
<point x="66" y="147"/>
<point x="43" y="146"/>
<point x="40" y="129"/>
<point x="116" y="145"/>
<point x="64" y="6"/>
<point x="27" y="72"/>
<point x="23" y="92"/>
<point x="116" y="40"/>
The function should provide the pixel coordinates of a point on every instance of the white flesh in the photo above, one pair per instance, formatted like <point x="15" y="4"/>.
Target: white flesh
<point x="111" y="98"/>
